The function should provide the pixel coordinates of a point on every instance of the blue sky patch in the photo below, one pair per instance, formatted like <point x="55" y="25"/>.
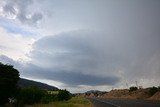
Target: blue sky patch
<point x="13" y="28"/>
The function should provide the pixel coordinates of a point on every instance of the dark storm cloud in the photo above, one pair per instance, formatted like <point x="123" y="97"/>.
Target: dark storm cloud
<point x="69" y="78"/>
<point x="78" y="78"/>
<point x="96" y="54"/>
<point x="19" y="10"/>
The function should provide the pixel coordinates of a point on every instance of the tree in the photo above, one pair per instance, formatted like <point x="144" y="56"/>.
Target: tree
<point x="133" y="89"/>
<point x="9" y="77"/>
<point x="63" y="95"/>
<point x="153" y="90"/>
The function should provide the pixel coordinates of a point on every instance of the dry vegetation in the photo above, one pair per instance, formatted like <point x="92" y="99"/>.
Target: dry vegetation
<point x="151" y="93"/>
<point x="124" y="93"/>
<point x="156" y="96"/>
<point x="74" y="102"/>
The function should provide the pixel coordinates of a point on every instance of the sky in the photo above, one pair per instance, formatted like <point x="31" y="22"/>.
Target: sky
<point x="82" y="45"/>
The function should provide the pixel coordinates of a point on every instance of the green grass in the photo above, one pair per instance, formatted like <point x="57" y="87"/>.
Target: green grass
<point x="74" y="102"/>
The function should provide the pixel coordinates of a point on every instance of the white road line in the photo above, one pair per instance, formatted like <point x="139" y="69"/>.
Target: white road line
<point x="107" y="102"/>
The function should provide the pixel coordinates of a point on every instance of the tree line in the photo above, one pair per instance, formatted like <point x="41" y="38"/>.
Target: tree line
<point x="11" y="93"/>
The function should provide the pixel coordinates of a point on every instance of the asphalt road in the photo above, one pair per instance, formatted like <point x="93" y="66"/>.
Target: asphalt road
<point x="99" y="102"/>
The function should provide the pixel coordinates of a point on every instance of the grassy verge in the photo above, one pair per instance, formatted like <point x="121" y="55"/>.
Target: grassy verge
<point x="74" y="102"/>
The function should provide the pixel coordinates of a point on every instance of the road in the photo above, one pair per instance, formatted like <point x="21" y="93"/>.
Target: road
<point x="100" y="102"/>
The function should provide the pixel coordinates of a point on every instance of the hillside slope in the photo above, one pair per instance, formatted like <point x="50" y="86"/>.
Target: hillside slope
<point x="144" y="94"/>
<point x="124" y="93"/>
<point x="25" y="83"/>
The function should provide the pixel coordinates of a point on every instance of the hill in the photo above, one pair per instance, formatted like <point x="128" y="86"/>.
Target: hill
<point x="156" y="96"/>
<point x="150" y="93"/>
<point x="125" y="93"/>
<point x="25" y="83"/>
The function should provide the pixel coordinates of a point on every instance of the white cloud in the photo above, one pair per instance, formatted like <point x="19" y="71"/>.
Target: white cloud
<point x="14" y="45"/>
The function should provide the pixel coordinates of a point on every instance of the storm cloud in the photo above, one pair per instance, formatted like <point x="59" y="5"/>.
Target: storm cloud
<point x="93" y="43"/>
<point x="69" y="78"/>
<point x="72" y="59"/>
<point x="91" y="58"/>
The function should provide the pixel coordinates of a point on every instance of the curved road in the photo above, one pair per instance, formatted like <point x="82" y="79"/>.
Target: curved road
<point x="100" y="102"/>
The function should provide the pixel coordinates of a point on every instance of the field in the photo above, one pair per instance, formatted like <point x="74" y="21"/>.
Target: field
<point x="74" y="102"/>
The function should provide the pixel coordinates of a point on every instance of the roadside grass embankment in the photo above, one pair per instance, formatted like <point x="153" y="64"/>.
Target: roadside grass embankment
<point x="74" y="102"/>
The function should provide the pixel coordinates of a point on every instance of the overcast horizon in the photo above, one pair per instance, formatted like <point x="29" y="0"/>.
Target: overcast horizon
<point x="81" y="45"/>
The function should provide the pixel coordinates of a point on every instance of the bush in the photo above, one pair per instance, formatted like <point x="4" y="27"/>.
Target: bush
<point x="30" y="95"/>
<point x="63" y="95"/>
<point x="158" y="88"/>
<point x="153" y="90"/>
<point x="45" y="100"/>
<point x="133" y="89"/>
<point x="48" y="98"/>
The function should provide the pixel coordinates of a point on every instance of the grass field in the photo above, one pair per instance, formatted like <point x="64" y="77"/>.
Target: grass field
<point x="74" y="102"/>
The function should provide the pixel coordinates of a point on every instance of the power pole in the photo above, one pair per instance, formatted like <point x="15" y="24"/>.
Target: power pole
<point x="127" y="85"/>
<point x="136" y="84"/>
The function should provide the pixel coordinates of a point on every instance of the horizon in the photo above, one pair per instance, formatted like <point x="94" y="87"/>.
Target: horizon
<point x="82" y="45"/>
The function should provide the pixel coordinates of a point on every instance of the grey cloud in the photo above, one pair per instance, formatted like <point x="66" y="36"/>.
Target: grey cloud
<point x="2" y="47"/>
<point x="20" y="9"/>
<point x="78" y="78"/>
<point x="85" y="52"/>
<point x="6" y="60"/>
<point x="78" y="50"/>
<point x="69" y="78"/>
<point x="8" y="8"/>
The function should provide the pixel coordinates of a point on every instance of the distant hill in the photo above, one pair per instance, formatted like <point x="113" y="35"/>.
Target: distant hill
<point x="25" y="83"/>
<point x="94" y="91"/>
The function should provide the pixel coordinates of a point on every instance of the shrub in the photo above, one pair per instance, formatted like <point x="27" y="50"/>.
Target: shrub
<point x="133" y="89"/>
<point x="30" y="95"/>
<point x="48" y="98"/>
<point x="63" y="95"/>
<point x="45" y="100"/>
<point x="153" y="90"/>
<point x="158" y="88"/>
